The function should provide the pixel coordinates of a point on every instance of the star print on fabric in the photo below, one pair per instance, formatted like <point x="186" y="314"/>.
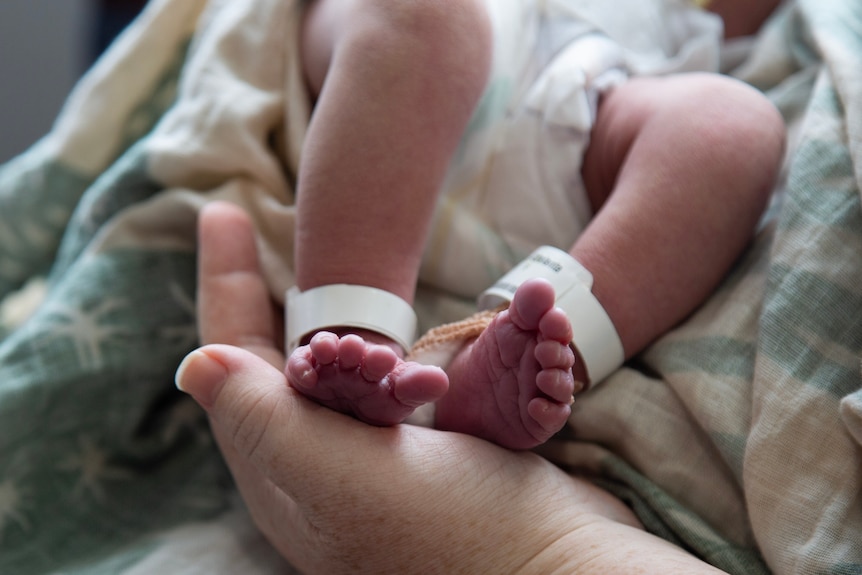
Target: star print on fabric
<point x="56" y="215"/>
<point x="11" y="269"/>
<point x="12" y="247"/>
<point x="93" y="468"/>
<point x="21" y="237"/>
<point x="12" y="502"/>
<point x="89" y="331"/>
<point x="16" y="307"/>
<point x="184" y="336"/>
<point x="37" y="236"/>
<point x="9" y="238"/>
<point x="186" y="415"/>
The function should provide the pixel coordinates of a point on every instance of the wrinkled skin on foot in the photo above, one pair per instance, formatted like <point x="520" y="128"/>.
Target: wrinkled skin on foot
<point x="363" y="379"/>
<point x="513" y="385"/>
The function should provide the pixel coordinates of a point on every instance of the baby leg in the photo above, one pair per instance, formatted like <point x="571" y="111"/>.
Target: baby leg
<point x="395" y="85"/>
<point x="679" y="170"/>
<point x="513" y="385"/>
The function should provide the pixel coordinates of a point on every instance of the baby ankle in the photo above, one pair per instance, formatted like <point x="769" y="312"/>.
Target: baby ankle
<point x="384" y="317"/>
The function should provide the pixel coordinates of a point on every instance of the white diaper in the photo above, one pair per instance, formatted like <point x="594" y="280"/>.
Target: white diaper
<point x="515" y="182"/>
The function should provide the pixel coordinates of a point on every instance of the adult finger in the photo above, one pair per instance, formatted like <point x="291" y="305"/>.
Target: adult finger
<point x="234" y="304"/>
<point x="308" y="475"/>
<point x="251" y="403"/>
<point x="202" y="374"/>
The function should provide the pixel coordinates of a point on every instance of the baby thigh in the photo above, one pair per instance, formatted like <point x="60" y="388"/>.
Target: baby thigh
<point x="695" y="125"/>
<point x="679" y="170"/>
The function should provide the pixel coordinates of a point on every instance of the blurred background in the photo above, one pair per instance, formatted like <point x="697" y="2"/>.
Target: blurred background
<point x="45" y="46"/>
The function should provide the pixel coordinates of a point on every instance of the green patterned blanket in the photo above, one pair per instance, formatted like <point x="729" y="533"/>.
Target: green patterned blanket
<point x="737" y="436"/>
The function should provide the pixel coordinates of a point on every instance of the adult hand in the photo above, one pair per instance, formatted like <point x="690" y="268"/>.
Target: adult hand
<point x="334" y="495"/>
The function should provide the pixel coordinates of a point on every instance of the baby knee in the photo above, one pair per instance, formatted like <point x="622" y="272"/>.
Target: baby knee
<point x="736" y="124"/>
<point x="747" y="117"/>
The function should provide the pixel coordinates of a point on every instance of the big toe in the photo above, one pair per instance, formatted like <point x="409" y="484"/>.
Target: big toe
<point x="532" y="300"/>
<point x="418" y="384"/>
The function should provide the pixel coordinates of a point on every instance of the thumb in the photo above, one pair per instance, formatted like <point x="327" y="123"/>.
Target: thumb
<point x="205" y="371"/>
<point x="211" y="375"/>
<point x="298" y="445"/>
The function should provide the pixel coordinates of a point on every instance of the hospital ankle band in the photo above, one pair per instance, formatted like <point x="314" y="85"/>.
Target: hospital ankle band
<point x="346" y="305"/>
<point x="593" y="333"/>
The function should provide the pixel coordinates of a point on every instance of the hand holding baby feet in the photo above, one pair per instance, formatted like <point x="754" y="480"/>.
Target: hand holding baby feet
<point x="366" y="380"/>
<point x="513" y="385"/>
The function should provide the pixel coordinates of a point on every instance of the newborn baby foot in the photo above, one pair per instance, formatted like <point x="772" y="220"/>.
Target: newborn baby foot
<point x="363" y="379"/>
<point x="513" y="385"/>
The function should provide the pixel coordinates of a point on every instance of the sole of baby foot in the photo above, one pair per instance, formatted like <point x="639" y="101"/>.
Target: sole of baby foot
<point x="366" y="380"/>
<point x="513" y="385"/>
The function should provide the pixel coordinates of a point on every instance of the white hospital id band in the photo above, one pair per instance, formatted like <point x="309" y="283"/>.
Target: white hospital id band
<point x="594" y="334"/>
<point x="348" y="305"/>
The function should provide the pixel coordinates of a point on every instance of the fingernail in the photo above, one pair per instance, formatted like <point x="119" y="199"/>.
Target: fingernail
<point x="201" y="376"/>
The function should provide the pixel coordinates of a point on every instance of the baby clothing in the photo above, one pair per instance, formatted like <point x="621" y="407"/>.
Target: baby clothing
<point x="515" y="181"/>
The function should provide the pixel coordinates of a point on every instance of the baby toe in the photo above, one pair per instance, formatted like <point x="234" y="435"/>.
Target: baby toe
<point x="549" y="415"/>
<point x="553" y="354"/>
<point x="555" y="325"/>
<point x="324" y="347"/>
<point x="418" y="384"/>
<point x="379" y="361"/>
<point x="557" y="384"/>
<point x="351" y="352"/>
<point x="300" y="371"/>
<point x="531" y="302"/>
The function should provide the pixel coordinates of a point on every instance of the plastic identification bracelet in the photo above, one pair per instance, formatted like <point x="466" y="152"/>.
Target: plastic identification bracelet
<point x="348" y="305"/>
<point x="593" y="333"/>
